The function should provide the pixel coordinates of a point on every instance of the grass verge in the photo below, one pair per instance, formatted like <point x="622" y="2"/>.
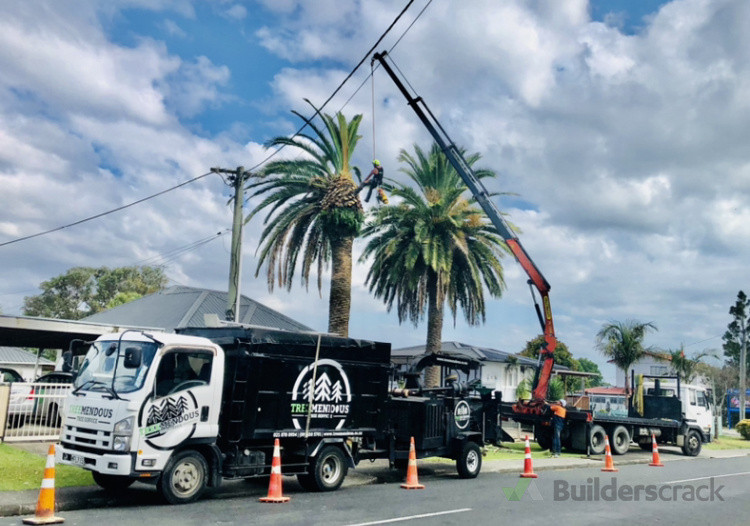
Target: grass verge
<point x="23" y="470"/>
<point x="727" y="442"/>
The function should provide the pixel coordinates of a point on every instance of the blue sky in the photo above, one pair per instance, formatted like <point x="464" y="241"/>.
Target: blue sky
<point x="618" y="124"/>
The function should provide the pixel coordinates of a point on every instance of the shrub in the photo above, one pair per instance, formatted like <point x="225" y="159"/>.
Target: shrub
<point x="743" y="426"/>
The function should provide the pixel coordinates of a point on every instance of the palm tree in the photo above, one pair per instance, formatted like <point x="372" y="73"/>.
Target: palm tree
<point x="622" y="342"/>
<point x="684" y="367"/>
<point x="314" y="210"/>
<point x="434" y="247"/>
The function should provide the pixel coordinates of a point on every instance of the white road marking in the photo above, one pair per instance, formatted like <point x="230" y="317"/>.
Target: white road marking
<point x="704" y="478"/>
<point x="410" y="517"/>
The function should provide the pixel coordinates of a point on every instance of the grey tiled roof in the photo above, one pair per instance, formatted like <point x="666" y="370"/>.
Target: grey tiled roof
<point x="181" y="306"/>
<point x="12" y="355"/>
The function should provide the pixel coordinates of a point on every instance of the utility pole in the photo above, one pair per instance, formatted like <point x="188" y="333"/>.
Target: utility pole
<point x="235" y="179"/>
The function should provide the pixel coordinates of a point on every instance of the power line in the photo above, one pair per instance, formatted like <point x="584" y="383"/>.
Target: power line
<point x="102" y="214"/>
<point x="171" y="255"/>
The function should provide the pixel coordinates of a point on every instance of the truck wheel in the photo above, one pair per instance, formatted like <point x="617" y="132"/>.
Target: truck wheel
<point x="112" y="482"/>
<point x="596" y="441"/>
<point x="693" y="443"/>
<point x="329" y="469"/>
<point x="185" y="477"/>
<point x="619" y="440"/>
<point x="469" y="463"/>
<point x="543" y="437"/>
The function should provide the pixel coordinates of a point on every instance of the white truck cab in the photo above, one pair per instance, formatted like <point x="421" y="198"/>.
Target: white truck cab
<point x="135" y="399"/>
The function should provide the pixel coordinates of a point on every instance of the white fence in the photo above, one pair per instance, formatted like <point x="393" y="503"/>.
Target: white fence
<point x="31" y="411"/>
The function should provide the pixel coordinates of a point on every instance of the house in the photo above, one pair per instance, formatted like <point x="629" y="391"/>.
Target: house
<point x="181" y="306"/>
<point x="499" y="370"/>
<point x="653" y="364"/>
<point x="25" y="363"/>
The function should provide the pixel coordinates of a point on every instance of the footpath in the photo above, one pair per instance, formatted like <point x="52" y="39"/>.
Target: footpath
<point x="140" y="494"/>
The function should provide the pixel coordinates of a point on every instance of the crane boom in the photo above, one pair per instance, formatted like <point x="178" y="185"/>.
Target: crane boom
<point x="457" y="160"/>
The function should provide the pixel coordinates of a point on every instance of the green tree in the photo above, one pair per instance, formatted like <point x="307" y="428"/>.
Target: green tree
<point x="589" y="366"/>
<point x="622" y="342"/>
<point x="435" y="247"/>
<point x="736" y="340"/>
<point x="83" y="291"/>
<point x="313" y="211"/>
<point x="562" y="357"/>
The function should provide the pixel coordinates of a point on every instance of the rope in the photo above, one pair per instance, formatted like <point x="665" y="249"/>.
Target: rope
<point x="372" y="83"/>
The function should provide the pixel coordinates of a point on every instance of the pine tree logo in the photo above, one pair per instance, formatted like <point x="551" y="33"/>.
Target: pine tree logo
<point x="321" y="395"/>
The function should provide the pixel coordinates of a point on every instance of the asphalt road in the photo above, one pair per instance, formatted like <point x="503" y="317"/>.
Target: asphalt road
<point x="700" y="491"/>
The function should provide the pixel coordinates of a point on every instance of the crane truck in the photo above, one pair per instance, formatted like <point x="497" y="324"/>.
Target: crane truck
<point x="670" y="417"/>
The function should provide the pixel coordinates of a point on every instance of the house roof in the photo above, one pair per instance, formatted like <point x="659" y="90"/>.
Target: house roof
<point x="484" y="354"/>
<point x="13" y="356"/>
<point x="182" y="306"/>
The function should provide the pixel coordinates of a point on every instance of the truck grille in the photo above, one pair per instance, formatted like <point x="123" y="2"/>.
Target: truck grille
<point x="86" y="439"/>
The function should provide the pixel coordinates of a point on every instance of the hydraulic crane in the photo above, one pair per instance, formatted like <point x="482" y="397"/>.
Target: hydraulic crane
<point x="536" y="279"/>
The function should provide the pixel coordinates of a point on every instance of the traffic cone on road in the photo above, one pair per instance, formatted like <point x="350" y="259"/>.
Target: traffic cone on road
<point x="274" y="485"/>
<point x="528" y="468"/>
<point x="609" y="465"/>
<point x="656" y="461"/>
<point x="45" y="505"/>
<point x="412" y="481"/>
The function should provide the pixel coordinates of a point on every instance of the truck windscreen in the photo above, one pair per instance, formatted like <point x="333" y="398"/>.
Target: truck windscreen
<point x="103" y="361"/>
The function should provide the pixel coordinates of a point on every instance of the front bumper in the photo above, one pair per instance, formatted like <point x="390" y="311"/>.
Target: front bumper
<point x="105" y="462"/>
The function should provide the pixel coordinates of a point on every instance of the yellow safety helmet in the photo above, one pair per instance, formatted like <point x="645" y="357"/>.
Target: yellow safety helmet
<point x="376" y="162"/>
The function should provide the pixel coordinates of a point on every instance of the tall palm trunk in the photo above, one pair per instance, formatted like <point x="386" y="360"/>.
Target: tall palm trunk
<point x="435" y="303"/>
<point x="340" y="299"/>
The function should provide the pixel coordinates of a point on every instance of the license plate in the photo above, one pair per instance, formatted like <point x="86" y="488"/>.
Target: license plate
<point x="77" y="459"/>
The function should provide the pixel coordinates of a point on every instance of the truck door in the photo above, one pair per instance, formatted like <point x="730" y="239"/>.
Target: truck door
<point x="184" y="401"/>
<point x="697" y="408"/>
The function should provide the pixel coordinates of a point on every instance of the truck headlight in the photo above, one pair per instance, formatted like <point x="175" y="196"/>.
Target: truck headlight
<point x="121" y="444"/>
<point x="123" y="433"/>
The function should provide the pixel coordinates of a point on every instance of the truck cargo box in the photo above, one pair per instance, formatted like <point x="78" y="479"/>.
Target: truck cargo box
<point x="275" y="388"/>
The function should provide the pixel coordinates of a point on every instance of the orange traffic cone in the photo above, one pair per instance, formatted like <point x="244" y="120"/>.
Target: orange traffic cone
<point x="45" y="505"/>
<point x="412" y="481"/>
<point x="655" y="453"/>
<point x="609" y="465"/>
<point x="274" y="485"/>
<point x="528" y="468"/>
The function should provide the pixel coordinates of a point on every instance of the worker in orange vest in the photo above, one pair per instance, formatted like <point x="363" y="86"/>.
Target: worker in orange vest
<point x="558" y="422"/>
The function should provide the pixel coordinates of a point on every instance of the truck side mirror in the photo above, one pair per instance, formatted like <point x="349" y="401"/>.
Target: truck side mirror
<point x="133" y="357"/>
<point x="67" y="365"/>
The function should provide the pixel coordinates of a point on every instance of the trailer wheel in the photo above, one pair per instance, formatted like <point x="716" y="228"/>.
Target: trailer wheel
<point x="596" y="441"/>
<point x="185" y="477"/>
<point x="328" y="469"/>
<point x="619" y="440"/>
<point x="693" y="443"/>
<point x="469" y="463"/>
<point x="112" y="482"/>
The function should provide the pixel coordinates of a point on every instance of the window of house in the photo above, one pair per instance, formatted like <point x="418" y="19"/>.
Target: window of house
<point x="659" y="370"/>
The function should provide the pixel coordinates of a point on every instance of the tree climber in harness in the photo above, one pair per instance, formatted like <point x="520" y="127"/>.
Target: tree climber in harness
<point x="373" y="180"/>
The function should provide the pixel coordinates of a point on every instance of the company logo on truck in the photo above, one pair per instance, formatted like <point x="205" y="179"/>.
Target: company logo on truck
<point x="323" y="393"/>
<point x="90" y="414"/>
<point x="462" y="414"/>
<point x="168" y="414"/>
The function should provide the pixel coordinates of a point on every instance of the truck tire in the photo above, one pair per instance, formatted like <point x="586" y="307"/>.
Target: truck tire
<point x="543" y="437"/>
<point x="329" y="469"/>
<point x="596" y="440"/>
<point x="693" y="443"/>
<point x="185" y="477"/>
<point x="469" y="462"/>
<point x="112" y="482"/>
<point x="619" y="440"/>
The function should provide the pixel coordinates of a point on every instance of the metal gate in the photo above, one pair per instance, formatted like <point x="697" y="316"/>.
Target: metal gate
<point x="32" y="411"/>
